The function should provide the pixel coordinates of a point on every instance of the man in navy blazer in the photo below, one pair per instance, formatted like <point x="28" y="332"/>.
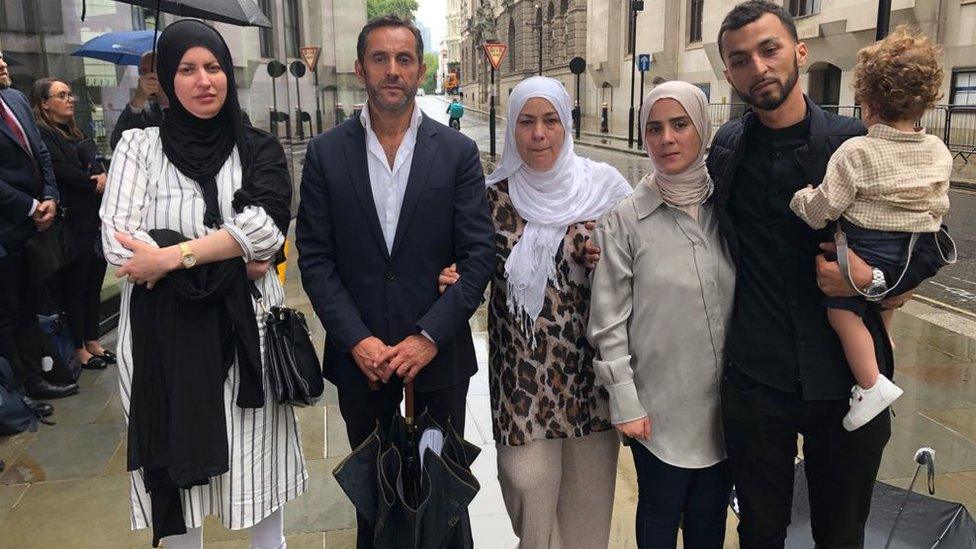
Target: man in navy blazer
<point x="28" y="203"/>
<point x="388" y="199"/>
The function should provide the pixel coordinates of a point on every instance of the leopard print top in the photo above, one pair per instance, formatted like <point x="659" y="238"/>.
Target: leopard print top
<point x="546" y="392"/>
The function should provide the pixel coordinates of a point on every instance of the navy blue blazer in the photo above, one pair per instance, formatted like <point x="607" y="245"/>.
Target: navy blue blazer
<point x="358" y="288"/>
<point x="18" y="183"/>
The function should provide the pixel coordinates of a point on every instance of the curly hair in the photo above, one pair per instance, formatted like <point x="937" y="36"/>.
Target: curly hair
<point x="899" y="77"/>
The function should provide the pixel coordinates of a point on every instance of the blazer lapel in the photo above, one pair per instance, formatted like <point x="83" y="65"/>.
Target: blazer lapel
<point x="359" y="176"/>
<point x="6" y="130"/>
<point x="423" y="158"/>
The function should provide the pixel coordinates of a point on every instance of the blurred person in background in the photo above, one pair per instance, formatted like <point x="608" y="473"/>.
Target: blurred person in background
<point x="81" y="182"/>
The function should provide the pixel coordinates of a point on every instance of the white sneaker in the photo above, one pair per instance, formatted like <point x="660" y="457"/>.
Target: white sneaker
<point x="867" y="403"/>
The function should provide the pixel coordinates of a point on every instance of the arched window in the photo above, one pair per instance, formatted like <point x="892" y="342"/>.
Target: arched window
<point x="563" y="7"/>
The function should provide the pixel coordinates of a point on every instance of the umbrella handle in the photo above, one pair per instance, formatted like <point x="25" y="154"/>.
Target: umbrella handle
<point x="159" y="5"/>
<point x="408" y="397"/>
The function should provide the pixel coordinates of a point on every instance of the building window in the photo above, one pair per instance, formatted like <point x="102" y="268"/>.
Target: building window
<point x="511" y="45"/>
<point x="629" y="25"/>
<point x="31" y="16"/>
<point x="266" y="36"/>
<point x="293" y="35"/>
<point x="550" y="41"/>
<point x="963" y="88"/>
<point x="695" y="21"/>
<point x="706" y="89"/>
<point x="800" y="8"/>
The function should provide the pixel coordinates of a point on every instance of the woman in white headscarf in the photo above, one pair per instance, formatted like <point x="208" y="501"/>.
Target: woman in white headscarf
<point x="662" y="296"/>
<point x="557" y="452"/>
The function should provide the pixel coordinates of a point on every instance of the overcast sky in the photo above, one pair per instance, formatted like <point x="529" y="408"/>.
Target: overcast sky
<point x="433" y="14"/>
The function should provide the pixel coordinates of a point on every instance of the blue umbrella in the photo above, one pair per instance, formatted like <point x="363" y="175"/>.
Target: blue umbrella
<point x="120" y="48"/>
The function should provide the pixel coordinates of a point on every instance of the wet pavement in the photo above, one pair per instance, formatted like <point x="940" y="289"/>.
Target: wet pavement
<point x="66" y="486"/>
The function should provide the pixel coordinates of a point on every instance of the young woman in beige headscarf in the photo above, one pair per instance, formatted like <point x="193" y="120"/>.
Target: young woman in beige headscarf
<point x="662" y="295"/>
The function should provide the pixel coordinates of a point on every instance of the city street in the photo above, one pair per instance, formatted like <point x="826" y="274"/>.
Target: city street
<point x="76" y="470"/>
<point x="954" y="286"/>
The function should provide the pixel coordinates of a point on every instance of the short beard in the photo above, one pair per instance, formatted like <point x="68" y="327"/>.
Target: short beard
<point x="376" y="98"/>
<point x="5" y="82"/>
<point x="772" y="102"/>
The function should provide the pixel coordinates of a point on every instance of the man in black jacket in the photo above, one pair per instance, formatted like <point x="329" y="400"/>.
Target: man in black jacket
<point x="786" y="372"/>
<point x="28" y="202"/>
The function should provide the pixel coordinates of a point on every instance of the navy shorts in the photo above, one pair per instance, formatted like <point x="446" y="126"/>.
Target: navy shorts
<point x="883" y="249"/>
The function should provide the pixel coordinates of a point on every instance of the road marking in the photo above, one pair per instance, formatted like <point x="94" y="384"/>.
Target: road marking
<point x="963" y="295"/>
<point x="963" y="280"/>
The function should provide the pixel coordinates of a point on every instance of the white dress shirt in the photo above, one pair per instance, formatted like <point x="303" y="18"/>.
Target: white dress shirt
<point x="389" y="184"/>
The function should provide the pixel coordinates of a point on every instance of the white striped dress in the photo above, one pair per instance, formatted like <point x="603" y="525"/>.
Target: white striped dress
<point x="145" y="191"/>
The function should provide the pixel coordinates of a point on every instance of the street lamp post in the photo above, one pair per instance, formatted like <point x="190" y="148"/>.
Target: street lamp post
<point x="537" y="26"/>
<point x="884" y="19"/>
<point x="635" y="7"/>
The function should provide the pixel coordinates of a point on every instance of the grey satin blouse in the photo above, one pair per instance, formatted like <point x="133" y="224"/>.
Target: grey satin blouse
<point x="661" y="300"/>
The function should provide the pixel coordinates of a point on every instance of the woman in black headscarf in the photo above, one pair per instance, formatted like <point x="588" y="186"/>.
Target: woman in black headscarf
<point x="225" y="186"/>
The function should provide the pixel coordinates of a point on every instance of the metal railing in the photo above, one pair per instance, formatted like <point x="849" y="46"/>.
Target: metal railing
<point x="954" y="124"/>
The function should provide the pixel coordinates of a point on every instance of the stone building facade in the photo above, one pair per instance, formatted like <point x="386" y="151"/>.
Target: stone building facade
<point x="518" y="24"/>
<point x="681" y="38"/>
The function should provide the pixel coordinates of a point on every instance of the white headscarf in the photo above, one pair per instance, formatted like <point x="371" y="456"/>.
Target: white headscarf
<point x="574" y="190"/>
<point x="690" y="188"/>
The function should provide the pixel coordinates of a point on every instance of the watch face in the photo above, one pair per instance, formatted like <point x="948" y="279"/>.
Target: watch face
<point x="189" y="261"/>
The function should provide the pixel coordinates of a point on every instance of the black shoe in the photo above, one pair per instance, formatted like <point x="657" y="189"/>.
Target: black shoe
<point x="44" y="390"/>
<point x="108" y="357"/>
<point x="94" y="363"/>
<point x="43" y="409"/>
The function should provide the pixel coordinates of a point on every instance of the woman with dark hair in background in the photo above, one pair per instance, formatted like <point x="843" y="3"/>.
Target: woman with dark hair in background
<point x="81" y="181"/>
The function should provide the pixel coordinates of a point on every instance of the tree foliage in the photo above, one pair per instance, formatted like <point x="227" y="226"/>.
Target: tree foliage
<point x="403" y="8"/>
<point x="430" y="80"/>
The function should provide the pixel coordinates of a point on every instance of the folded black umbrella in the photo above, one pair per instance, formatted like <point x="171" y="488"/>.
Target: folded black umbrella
<point x="899" y="518"/>
<point x="412" y="503"/>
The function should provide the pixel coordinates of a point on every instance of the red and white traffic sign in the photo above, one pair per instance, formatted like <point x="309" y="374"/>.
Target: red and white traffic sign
<point x="310" y="54"/>
<point x="495" y="51"/>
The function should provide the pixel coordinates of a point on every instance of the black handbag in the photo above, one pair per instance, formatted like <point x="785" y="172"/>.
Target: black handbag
<point x="294" y="370"/>
<point x="50" y="251"/>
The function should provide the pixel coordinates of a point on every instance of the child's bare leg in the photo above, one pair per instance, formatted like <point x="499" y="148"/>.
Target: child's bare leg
<point x="888" y="316"/>
<point x="858" y="345"/>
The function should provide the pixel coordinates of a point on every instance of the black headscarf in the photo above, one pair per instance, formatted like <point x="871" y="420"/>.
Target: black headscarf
<point x="197" y="147"/>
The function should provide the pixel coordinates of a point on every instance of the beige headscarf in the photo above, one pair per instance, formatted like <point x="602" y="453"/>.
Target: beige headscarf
<point x="689" y="189"/>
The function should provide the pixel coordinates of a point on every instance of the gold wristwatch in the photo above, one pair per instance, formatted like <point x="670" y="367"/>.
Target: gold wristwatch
<point x="187" y="257"/>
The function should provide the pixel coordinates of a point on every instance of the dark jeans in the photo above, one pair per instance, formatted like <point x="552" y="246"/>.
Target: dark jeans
<point x="761" y="428"/>
<point x="669" y="495"/>
<point x="20" y="332"/>
<point x="361" y="411"/>
<point x="82" y="288"/>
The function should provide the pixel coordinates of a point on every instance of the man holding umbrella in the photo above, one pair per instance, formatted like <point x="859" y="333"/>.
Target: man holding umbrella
<point x="145" y="110"/>
<point x="388" y="199"/>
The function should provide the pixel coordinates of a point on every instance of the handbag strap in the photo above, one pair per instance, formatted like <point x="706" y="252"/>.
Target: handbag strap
<point x="256" y="295"/>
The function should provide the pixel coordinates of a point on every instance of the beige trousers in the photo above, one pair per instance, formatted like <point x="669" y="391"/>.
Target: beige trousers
<point x="559" y="492"/>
